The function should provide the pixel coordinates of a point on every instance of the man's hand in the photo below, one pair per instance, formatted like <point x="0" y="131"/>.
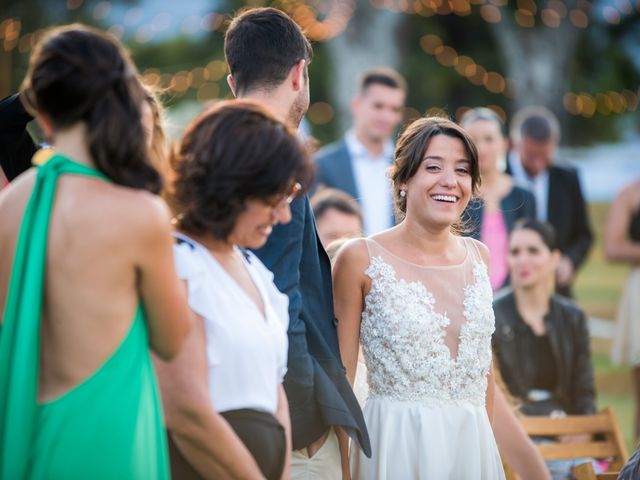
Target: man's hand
<point x="564" y="273"/>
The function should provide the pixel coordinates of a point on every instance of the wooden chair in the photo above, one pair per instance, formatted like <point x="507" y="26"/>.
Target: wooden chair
<point x="609" y="443"/>
<point x="585" y="471"/>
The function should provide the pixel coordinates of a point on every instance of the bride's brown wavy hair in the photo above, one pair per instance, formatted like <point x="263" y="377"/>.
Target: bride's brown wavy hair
<point x="79" y="74"/>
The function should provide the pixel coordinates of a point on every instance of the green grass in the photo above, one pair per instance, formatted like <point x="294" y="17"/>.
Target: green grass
<point x="598" y="289"/>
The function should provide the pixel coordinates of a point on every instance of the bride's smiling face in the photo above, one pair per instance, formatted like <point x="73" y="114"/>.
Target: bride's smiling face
<point x="441" y="188"/>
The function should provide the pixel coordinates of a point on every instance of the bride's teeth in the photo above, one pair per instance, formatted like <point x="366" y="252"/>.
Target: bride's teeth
<point x="444" y="198"/>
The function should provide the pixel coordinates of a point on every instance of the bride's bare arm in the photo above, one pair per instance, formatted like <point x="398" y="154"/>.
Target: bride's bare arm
<point x="491" y="382"/>
<point x="516" y="447"/>
<point x="349" y="288"/>
<point x="349" y="283"/>
<point x="490" y="395"/>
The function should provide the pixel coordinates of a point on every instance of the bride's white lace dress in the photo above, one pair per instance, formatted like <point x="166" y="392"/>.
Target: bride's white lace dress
<point x="426" y="339"/>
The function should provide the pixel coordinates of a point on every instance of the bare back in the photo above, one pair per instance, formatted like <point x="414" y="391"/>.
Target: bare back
<point x="95" y="245"/>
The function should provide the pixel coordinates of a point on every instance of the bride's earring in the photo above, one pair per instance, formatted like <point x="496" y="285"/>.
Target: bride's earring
<point x="403" y="193"/>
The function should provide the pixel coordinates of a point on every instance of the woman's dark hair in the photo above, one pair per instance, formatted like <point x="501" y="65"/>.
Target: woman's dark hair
<point x="413" y="144"/>
<point x="79" y="74"/>
<point x="234" y="151"/>
<point x="545" y="230"/>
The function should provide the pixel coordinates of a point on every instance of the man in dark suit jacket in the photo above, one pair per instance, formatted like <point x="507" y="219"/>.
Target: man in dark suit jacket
<point x="268" y="58"/>
<point x="358" y="163"/>
<point x="17" y="147"/>
<point x="535" y="134"/>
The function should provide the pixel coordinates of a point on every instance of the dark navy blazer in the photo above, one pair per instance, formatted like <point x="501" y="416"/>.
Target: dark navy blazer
<point x="316" y="384"/>
<point x="518" y="203"/>
<point x="335" y="170"/>
<point x="16" y="145"/>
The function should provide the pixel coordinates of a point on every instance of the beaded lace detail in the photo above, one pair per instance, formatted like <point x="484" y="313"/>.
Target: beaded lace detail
<point x="403" y="339"/>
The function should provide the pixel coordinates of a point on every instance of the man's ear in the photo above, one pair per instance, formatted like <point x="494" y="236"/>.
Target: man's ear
<point x="46" y="124"/>
<point x="355" y="104"/>
<point x="298" y="74"/>
<point x="232" y="85"/>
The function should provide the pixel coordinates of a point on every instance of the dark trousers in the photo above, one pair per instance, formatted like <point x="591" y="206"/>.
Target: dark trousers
<point x="260" y="432"/>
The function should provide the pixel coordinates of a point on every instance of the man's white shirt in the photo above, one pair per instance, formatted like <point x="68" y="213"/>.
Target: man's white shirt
<point x="372" y="182"/>
<point x="538" y="185"/>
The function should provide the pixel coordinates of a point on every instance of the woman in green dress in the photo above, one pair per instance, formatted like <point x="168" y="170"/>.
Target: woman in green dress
<point x="87" y="279"/>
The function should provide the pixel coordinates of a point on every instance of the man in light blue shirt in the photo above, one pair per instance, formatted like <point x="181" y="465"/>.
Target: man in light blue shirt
<point x="358" y="163"/>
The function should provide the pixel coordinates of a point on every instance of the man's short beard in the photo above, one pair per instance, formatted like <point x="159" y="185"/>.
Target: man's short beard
<point x="298" y="108"/>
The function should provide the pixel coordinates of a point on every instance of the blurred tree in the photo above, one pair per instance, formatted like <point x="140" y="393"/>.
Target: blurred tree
<point x="447" y="50"/>
<point x="368" y="41"/>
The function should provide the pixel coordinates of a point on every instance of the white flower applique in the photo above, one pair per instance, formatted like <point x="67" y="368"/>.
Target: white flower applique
<point x="402" y="339"/>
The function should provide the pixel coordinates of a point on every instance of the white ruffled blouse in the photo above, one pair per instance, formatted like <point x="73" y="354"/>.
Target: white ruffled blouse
<point x="246" y="351"/>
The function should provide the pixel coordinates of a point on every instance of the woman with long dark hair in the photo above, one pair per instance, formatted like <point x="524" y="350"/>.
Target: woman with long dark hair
<point x="87" y="278"/>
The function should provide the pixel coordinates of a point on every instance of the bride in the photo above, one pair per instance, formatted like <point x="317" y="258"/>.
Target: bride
<point x="417" y="298"/>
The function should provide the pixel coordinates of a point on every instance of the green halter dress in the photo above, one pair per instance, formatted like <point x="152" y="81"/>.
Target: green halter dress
<point x="110" y="425"/>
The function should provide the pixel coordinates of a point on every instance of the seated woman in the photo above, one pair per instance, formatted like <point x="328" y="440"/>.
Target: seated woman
<point x="500" y="203"/>
<point x="87" y="276"/>
<point x="236" y="172"/>
<point x="541" y="341"/>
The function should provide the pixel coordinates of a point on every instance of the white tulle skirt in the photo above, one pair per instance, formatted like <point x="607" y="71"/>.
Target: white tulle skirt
<point x="626" y="341"/>
<point x="411" y="441"/>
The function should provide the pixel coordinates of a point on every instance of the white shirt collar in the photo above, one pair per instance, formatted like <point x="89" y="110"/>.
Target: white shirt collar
<point x="358" y="150"/>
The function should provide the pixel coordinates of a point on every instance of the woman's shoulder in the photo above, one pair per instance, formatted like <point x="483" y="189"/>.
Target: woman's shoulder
<point x="352" y="258"/>
<point x="481" y="249"/>
<point x="130" y="212"/>
<point x="186" y="256"/>
<point x="568" y="308"/>
<point x="629" y="195"/>
<point x="504" y="304"/>
<point x="253" y="262"/>
<point x="356" y="249"/>
<point x="515" y="193"/>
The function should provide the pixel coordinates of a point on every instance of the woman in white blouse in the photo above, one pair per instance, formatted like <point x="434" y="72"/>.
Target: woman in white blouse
<point x="236" y="172"/>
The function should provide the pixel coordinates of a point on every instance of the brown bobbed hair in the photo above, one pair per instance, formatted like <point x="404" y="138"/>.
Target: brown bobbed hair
<point x="79" y="74"/>
<point x="233" y="152"/>
<point x="412" y="146"/>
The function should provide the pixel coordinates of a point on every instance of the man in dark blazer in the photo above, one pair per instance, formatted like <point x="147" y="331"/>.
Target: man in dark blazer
<point x="358" y="163"/>
<point x="535" y="134"/>
<point x="16" y="145"/>
<point x="268" y="58"/>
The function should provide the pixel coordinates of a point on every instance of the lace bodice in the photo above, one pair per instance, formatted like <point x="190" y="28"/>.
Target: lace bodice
<point x="426" y="331"/>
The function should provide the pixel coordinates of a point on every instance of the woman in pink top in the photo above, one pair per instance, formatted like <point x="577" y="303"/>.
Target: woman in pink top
<point x="500" y="203"/>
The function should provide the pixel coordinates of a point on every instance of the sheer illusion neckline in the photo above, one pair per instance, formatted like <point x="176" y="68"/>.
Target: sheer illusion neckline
<point x="418" y="265"/>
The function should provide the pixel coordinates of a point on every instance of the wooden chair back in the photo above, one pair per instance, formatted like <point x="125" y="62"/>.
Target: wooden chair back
<point x="607" y="442"/>
<point x="585" y="471"/>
